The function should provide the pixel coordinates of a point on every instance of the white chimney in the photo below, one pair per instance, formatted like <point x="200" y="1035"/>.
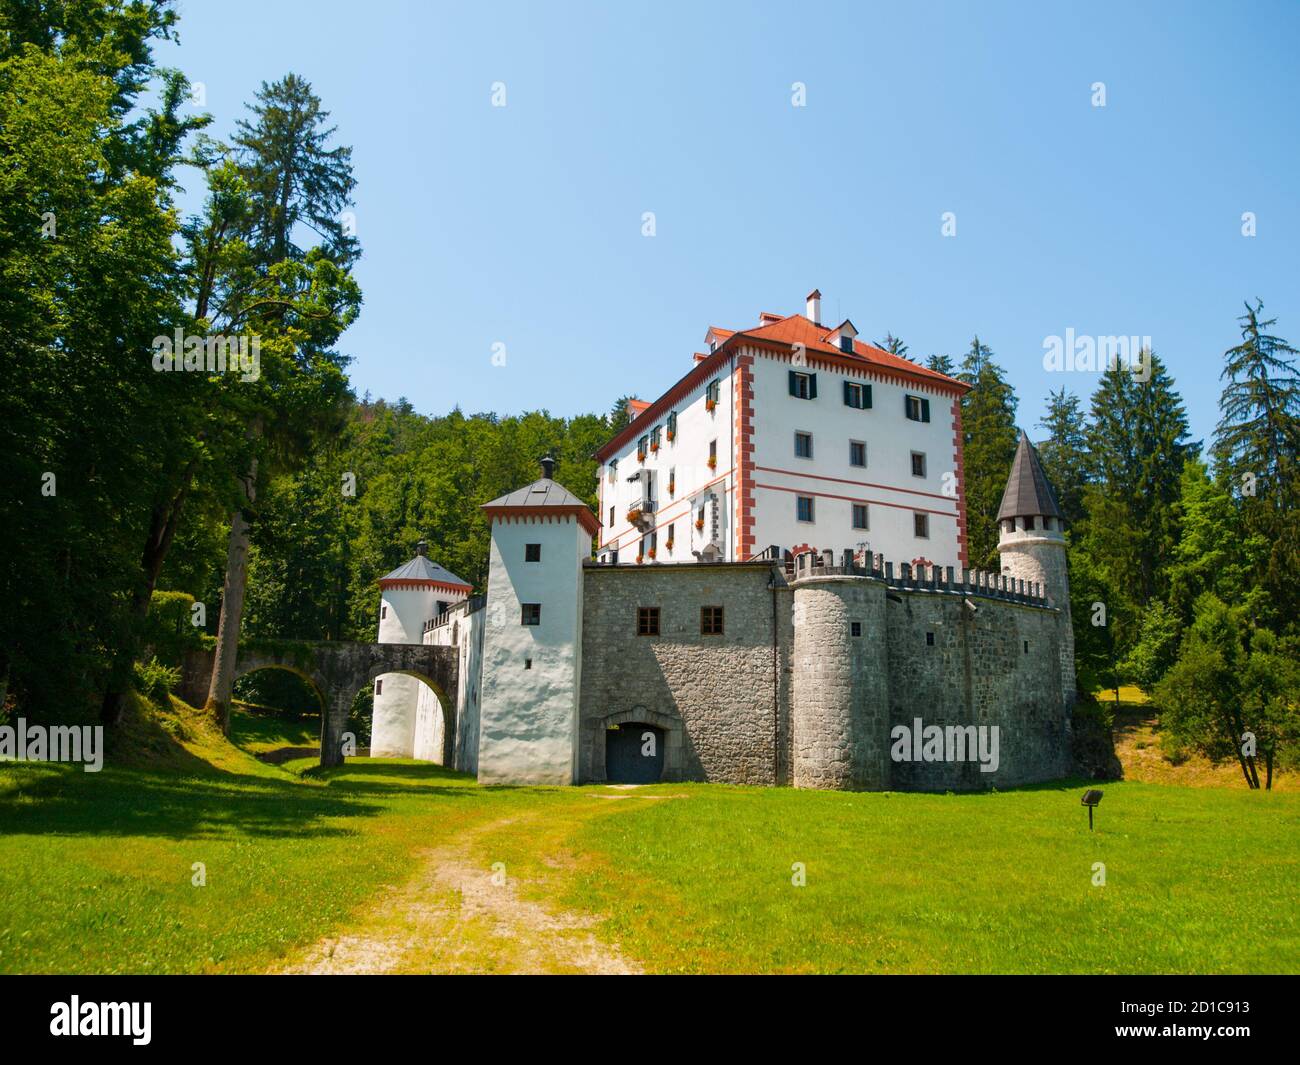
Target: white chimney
<point x="814" y="314"/>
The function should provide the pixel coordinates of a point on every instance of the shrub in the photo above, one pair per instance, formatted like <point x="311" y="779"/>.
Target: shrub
<point x="155" y="680"/>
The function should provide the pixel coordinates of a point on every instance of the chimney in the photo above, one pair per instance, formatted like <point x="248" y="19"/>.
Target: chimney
<point x="814" y="314"/>
<point x="422" y="548"/>
<point x="548" y="465"/>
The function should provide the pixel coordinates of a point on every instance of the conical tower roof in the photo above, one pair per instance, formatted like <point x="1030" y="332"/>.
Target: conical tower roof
<point x="423" y="570"/>
<point x="1028" y="490"/>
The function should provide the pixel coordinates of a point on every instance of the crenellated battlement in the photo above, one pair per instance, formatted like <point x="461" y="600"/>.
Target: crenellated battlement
<point x="918" y="578"/>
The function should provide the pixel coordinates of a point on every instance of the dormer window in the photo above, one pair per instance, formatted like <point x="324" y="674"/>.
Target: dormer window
<point x="846" y="344"/>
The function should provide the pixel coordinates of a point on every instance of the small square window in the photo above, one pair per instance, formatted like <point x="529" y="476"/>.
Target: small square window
<point x="921" y="525"/>
<point x="859" y="515"/>
<point x="929" y="639"/>
<point x="918" y="464"/>
<point x="855" y="628"/>
<point x="528" y="663"/>
<point x="710" y="621"/>
<point x="531" y="614"/>
<point x="803" y="508"/>
<point x="532" y="552"/>
<point x="647" y="621"/>
<point x="803" y="445"/>
<point x="857" y="453"/>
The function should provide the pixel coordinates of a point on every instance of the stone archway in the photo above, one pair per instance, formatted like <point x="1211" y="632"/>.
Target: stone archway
<point x="445" y="706"/>
<point x="338" y="670"/>
<point x="593" y="742"/>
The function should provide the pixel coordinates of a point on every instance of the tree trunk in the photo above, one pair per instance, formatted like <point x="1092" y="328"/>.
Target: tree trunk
<point x="1268" y="770"/>
<point x="232" y="612"/>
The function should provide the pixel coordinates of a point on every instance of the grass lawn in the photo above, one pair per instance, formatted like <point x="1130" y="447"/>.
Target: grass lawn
<point x="96" y="869"/>
<point x="258" y="730"/>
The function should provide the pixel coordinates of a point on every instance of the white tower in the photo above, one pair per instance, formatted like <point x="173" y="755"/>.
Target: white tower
<point x="409" y="596"/>
<point x="532" y="649"/>
<point x="1031" y="545"/>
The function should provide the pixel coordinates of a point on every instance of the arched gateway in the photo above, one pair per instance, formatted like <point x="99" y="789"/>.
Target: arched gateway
<point x="338" y="670"/>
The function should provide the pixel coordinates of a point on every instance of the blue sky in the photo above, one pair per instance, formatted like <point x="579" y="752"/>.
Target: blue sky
<point x="522" y="225"/>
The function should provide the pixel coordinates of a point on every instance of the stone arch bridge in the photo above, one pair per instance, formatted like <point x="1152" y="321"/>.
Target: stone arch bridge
<point x="337" y="670"/>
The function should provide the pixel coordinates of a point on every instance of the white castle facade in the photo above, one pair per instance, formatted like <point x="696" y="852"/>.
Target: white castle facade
<point x="728" y="632"/>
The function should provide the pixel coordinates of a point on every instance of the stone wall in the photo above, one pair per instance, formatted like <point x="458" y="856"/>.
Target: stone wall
<point x="720" y="699"/>
<point x="977" y="672"/>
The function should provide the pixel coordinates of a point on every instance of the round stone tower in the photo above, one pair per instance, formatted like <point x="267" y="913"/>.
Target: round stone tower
<point x="1031" y="545"/>
<point x="839" y="715"/>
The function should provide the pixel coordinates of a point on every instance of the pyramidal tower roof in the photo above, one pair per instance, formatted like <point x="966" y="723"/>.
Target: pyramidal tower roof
<point x="1028" y="490"/>
<point x="421" y="569"/>
<point x="543" y="498"/>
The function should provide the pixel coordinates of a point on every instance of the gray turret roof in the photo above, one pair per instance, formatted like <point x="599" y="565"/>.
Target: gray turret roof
<point x="421" y="568"/>
<point x="1028" y="490"/>
<point x="541" y="493"/>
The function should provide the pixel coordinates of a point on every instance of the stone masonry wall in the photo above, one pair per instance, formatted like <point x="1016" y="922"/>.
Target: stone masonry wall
<point x="718" y="694"/>
<point x="978" y="672"/>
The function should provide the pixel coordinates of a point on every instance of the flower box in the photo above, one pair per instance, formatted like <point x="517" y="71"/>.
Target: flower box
<point x="671" y="436"/>
<point x="639" y="558"/>
<point x="634" y="514"/>
<point x="652" y="554"/>
<point x="713" y="462"/>
<point x="710" y="404"/>
<point x="654" y="447"/>
<point x="640" y="456"/>
<point x="699" y="524"/>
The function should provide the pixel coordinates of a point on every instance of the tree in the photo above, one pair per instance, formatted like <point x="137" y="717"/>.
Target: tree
<point x="988" y="421"/>
<point x="1257" y="443"/>
<point x="1230" y="693"/>
<point x="1064" y="453"/>
<point x="941" y="364"/>
<point x="893" y="345"/>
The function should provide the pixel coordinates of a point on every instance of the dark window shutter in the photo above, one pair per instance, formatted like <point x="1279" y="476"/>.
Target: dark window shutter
<point x="925" y="410"/>
<point x="794" y="383"/>
<point x="907" y="406"/>
<point x="812" y="386"/>
<point x="866" y="397"/>
<point x="848" y="394"/>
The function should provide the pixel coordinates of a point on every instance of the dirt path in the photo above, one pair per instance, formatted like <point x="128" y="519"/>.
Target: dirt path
<point x="458" y="916"/>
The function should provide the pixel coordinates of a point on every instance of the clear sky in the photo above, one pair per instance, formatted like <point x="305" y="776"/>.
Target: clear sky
<point x="522" y="225"/>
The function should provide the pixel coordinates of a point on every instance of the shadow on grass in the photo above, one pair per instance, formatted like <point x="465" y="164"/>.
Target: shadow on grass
<point x="64" y="800"/>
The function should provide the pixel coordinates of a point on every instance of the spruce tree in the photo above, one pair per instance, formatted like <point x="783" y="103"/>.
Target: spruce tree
<point x="1065" y="452"/>
<point x="988" y="421"/>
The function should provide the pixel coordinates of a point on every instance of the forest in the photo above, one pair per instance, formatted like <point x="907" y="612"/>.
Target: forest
<point x="148" y="512"/>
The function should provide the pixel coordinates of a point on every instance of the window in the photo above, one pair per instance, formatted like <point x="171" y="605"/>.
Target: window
<point x="672" y="424"/>
<point x="641" y="446"/>
<point x="672" y="534"/>
<point x="855" y="628"/>
<point x="857" y="395"/>
<point x="532" y="614"/>
<point x="712" y="393"/>
<point x="672" y="481"/>
<point x="846" y="344"/>
<point x="441" y="607"/>
<point x="803" y="445"/>
<point x="528" y="663"/>
<point x="613" y="471"/>
<point x="379" y="687"/>
<point x="803" y="508"/>
<point x="656" y="437"/>
<point x="713" y="454"/>
<point x="532" y="552"/>
<point x="859" y="515"/>
<point x="383" y="612"/>
<point x="1026" y="647"/>
<point x="916" y="408"/>
<point x="921" y="525"/>
<point x="1029" y="524"/>
<point x="803" y="385"/>
<point x="647" y="621"/>
<point x="929" y="639"/>
<point x="918" y="464"/>
<point x="611" y="517"/>
<point x="710" y="621"/>
<point x="857" y="453"/>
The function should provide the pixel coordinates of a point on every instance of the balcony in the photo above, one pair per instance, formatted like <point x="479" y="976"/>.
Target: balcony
<point x="642" y="514"/>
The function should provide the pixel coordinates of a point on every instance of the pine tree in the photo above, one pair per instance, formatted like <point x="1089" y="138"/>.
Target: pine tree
<point x="941" y="364"/>
<point x="988" y="420"/>
<point x="1257" y="443"/>
<point x="1065" y="452"/>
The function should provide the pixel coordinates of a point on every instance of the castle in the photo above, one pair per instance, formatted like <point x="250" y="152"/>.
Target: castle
<point x="826" y="666"/>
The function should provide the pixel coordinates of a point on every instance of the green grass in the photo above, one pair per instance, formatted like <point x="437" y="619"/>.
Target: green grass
<point x="258" y="730"/>
<point x="95" y="869"/>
